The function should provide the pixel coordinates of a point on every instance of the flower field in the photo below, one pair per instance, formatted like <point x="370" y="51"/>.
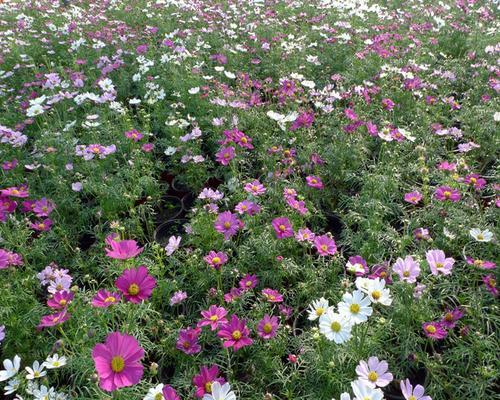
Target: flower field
<point x="249" y="199"/>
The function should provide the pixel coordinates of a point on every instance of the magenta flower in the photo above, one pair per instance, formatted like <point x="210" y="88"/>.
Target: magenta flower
<point x="43" y="207"/>
<point x="235" y="334"/>
<point x="413" y="197"/>
<point x="267" y="327"/>
<point x="434" y="330"/>
<point x="247" y="207"/>
<point x="438" y="262"/>
<point x="136" y="284"/>
<point x="60" y="299"/>
<point x="134" y="134"/>
<point x="248" y="282"/>
<point x="42" y="226"/>
<point x="225" y="155"/>
<point x="242" y="140"/>
<point x="407" y="269"/>
<point x="410" y="393"/>
<point x="234" y="294"/>
<point x="491" y="284"/>
<point x="374" y="372"/>
<point x="381" y="271"/>
<point x="388" y="104"/>
<point x="483" y="264"/>
<point x="450" y="318"/>
<point x="272" y="296"/>
<point x="421" y="234"/>
<point x="104" y="299"/>
<point x="213" y="317"/>
<point x="228" y="224"/>
<point x="122" y="250"/>
<point x="15" y="191"/>
<point x="118" y="361"/>
<point x="53" y="319"/>
<point x="178" y="297"/>
<point x="476" y="181"/>
<point x="188" y="340"/>
<point x="304" y="120"/>
<point x="314" y="182"/>
<point x="282" y="227"/>
<point x="255" y="188"/>
<point x="169" y="393"/>
<point x="216" y="259"/>
<point x="204" y="380"/>
<point x="325" y="245"/>
<point x="444" y="193"/>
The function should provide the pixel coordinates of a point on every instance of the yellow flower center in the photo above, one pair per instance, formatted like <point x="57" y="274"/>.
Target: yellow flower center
<point x="186" y="345"/>
<point x="110" y="299"/>
<point x="244" y="140"/>
<point x="15" y="192"/>
<point x="282" y="228"/>
<point x="314" y="181"/>
<point x="478" y="263"/>
<point x="324" y="247"/>
<point x="216" y="260"/>
<point x="63" y="302"/>
<point x="480" y="237"/>
<point x="41" y="225"/>
<point x="412" y="398"/>
<point x="430" y="329"/>
<point x="227" y="225"/>
<point x="55" y="363"/>
<point x="354" y="308"/>
<point x="439" y="265"/>
<point x="36" y="374"/>
<point x="473" y="180"/>
<point x="320" y="311"/>
<point x="226" y="156"/>
<point x="376" y="294"/>
<point x="447" y="194"/>
<point x="208" y="387"/>
<point x="448" y="317"/>
<point x="133" y="289"/>
<point x="372" y="376"/>
<point x="117" y="364"/>
<point x="159" y="396"/>
<point x="236" y="335"/>
<point x="406" y="274"/>
<point x="214" y="318"/>
<point x="492" y="282"/>
<point x="336" y="327"/>
<point x="267" y="328"/>
<point x="249" y="283"/>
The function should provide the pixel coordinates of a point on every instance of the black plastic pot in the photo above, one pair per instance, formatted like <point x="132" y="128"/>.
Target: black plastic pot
<point x="169" y="228"/>
<point x="170" y="208"/>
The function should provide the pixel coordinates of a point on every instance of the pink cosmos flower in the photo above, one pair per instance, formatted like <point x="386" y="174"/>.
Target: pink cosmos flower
<point x="42" y="226"/>
<point x="413" y="197"/>
<point x="53" y="319"/>
<point x="325" y="245"/>
<point x="407" y="269"/>
<point x="298" y="205"/>
<point x="304" y="120"/>
<point x="178" y="297"/>
<point x="267" y="327"/>
<point x="410" y="393"/>
<point x="314" y="182"/>
<point x="243" y="140"/>
<point x="213" y="317"/>
<point x="357" y="265"/>
<point x="248" y="282"/>
<point x="450" y="318"/>
<point x="247" y="207"/>
<point x="421" y="234"/>
<point x="43" y="207"/>
<point x="272" y="296"/>
<point x="15" y="191"/>
<point x="444" y="193"/>
<point x="118" y="361"/>
<point x="234" y="294"/>
<point x="60" y="299"/>
<point x="483" y="264"/>
<point x="438" y="262"/>
<point x="228" y="224"/>
<point x="104" y="298"/>
<point x="204" y="380"/>
<point x="476" y="181"/>
<point x="387" y="104"/>
<point x="216" y="259"/>
<point x="134" y="134"/>
<point x="434" y="330"/>
<point x="381" y="271"/>
<point x="305" y="235"/>
<point x="235" y="334"/>
<point x="169" y="393"/>
<point x="491" y="284"/>
<point x="255" y="188"/>
<point x="446" y="166"/>
<point x="136" y="284"/>
<point x="122" y="249"/>
<point x="225" y="155"/>
<point x="188" y="340"/>
<point x="282" y="227"/>
<point x="374" y="372"/>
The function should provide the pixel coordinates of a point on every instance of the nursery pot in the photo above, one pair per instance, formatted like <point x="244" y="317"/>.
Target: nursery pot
<point x="167" y="229"/>
<point x="171" y="208"/>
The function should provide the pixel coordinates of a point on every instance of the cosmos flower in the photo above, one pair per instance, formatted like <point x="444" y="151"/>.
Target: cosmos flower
<point x="272" y="296"/>
<point x="481" y="235"/>
<point x="136" y="284"/>
<point x="205" y="379"/>
<point x="336" y="327"/>
<point x="60" y="299"/>
<point x="248" y="282"/>
<point x="356" y="305"/>
<point x="235" y="334"/>
<point x="374" y="373"/>
<point x="482" y="264"/>
<point x="220" y="392"/>
<point x="225" y="155"/>
<point x="450" y="318"/>
<point x="438" y="262"/>
<point x="357" y="265"/>
<point x="267" y="327"/>
<point x="53" y="319"/>
<point x="407" y="269"/>
<point x="213" y="317"/>
<point x="216" y="259"/>
<point x="325" y="245"/>
<point x="317" y="308"/>
<point x="491" y="284"/>
<point x="122" y="249"/>
<point x="255" y="188"/>
<point x="282" y="227"/>
<point x="413" y="197"/>
<point x="118" y="361"/>
<point x="444" y="193"/>
<point x="169" y="393"/>
<point x="434" y="330"/>
<point x="228" y="224"/>
<point x="104" y="299"/>
<point x="188" y="340"/>
<point x="411" y="393"/>
<point x="314" y="182"/>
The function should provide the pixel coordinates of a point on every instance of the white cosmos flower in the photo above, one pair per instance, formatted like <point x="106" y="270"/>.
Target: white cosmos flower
<point x="375" y="289"/>
<point x="220" y="392"/>
<point x="363" y="392"/>
<point x="54" y="362"/>
<point x="155" y="393"/>
<point x="356" y="306"/>
<point x="12" y="386"/>
<point x="11" y="368"/>
<point x="282" y="119"/>
<point x="355" y="268"/>
<point x="308" y="84"/>
<point x="173" y="244"/>
<point x="317" y="309"/>
<point x="345" y="396"/>
<point x="336" y="327"/>
<point x="229" y="75"/>
<point x="480" y="235"/>
<point x="44" y="393"/>
<point x="194" y="90"/>
<point x="36" y="371"/>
